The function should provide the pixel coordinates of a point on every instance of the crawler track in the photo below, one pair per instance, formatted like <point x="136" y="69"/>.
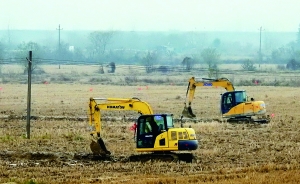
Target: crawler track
<point x="49" y="158"/>
<point x="168" y="157"/>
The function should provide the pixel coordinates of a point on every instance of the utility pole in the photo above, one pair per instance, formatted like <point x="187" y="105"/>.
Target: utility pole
<point x="59" y="50"/>
<point x="8" y="36"/>
<point x="9" y="42"/>
<point x="260" y="43"/>
<point x="260" y="54"/>
<point x="298" y="37"/>
<point x="29" y="95"/>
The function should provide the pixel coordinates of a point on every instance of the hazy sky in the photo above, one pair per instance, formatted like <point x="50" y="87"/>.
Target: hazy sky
<point x="135" y="15"/>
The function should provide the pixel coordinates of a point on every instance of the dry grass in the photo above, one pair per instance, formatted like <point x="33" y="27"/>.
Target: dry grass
<point x="228" y="153"/>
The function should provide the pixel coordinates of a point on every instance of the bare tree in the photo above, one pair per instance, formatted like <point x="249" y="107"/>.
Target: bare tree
<point x="149" y="60"/>
<point x="293" y="65"/>
<point x="23" y="50"/>
<point x="248" y="65"/>
<point x="298" y="37"/>
<point x="210" y="57"/>
<point x="99" y="41"/>
<point x="282" y="54"/>
<point x="188" y="63"/>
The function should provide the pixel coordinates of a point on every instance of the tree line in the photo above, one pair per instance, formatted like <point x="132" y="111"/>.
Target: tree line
<point x="99" y="52"/>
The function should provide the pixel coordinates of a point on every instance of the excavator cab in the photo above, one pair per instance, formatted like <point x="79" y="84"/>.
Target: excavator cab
<point x="149" y="127"/>
<point x="232" y="99"/>
<point x="156" y="133"/>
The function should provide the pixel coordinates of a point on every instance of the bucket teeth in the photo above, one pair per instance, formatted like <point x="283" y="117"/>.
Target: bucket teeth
<point x="187" y="112"/>
<point x="99" y="148"/>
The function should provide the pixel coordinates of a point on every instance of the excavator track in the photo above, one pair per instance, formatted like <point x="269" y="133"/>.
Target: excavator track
<point x="152" y="157"/>
<point x="248" y="120"/>
<point x="165" y="157"/>
<point x="100" y="152"/>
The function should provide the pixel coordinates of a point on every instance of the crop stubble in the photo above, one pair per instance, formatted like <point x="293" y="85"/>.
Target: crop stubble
<point x="228" y="153"/>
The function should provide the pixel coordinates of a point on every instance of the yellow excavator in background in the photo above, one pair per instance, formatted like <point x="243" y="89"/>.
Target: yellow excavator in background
<point x="155" y="133"/>
<point x="235" y="105"/>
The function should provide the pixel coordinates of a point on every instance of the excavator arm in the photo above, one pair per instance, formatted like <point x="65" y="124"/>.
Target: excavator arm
<point x="118" y="104"/>
<point x="193" y="83"/>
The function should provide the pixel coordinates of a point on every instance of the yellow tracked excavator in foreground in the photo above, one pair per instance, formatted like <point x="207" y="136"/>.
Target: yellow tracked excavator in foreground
<point x="235" y="105"/>
<point x="155" y="133"/>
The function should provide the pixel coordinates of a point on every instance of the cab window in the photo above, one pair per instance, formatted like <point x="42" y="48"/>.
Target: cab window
<point x="170" y="122"/>
<point x="240" y="97"/>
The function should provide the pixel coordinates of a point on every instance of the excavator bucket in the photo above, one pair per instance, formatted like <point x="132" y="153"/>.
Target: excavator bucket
<point x="187" y="112"/>
<point x="99" y="148"/>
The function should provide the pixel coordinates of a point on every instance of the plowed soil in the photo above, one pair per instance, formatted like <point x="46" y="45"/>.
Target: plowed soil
<point x="58" y="148"/>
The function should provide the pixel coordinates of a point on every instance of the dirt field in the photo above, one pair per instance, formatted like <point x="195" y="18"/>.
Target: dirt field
<point x="228" y="153"/>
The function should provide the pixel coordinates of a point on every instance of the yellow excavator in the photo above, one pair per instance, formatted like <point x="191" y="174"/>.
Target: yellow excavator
<point x="235" y="105"/>
<point x="155" y="133"/>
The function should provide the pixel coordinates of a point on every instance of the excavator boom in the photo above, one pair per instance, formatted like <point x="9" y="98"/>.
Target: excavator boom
<point x="193" y="83"/>
<point x="133" y="104"/>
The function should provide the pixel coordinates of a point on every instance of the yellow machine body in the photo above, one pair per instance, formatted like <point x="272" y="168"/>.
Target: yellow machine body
<point x="154" y="132"/>
<point x="234" y="106"/>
